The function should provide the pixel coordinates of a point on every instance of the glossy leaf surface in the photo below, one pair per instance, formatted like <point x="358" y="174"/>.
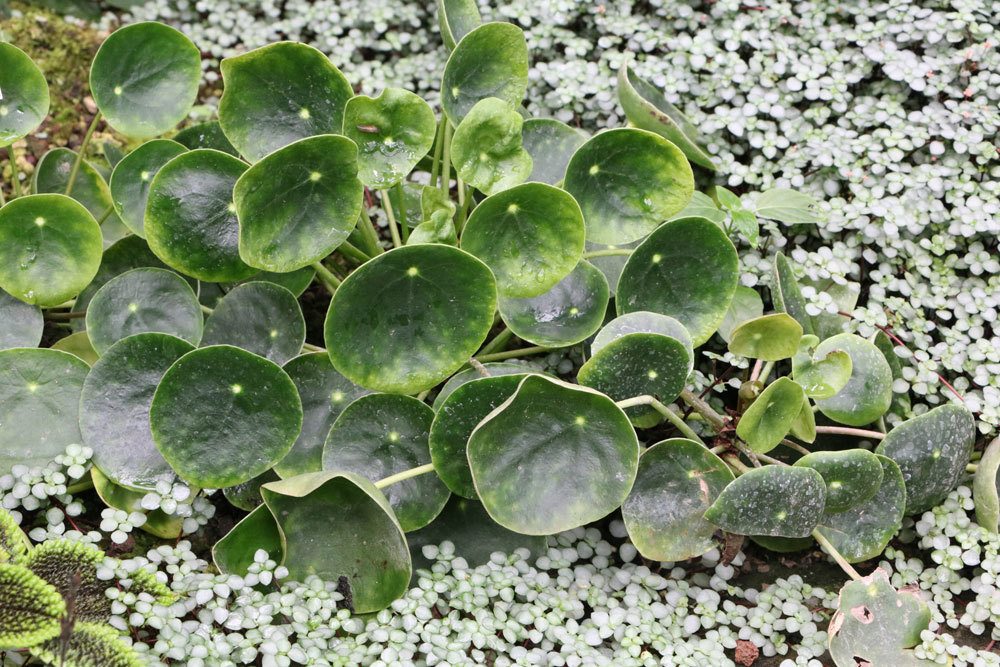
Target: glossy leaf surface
<point x="435" y="308"/>
<point x="214" y="401"/>
<point x="553" y="457"/>
<point x="628" y="182"/>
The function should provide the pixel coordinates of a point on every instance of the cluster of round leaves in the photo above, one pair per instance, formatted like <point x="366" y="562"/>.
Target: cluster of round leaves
<point x="328" y="469"/>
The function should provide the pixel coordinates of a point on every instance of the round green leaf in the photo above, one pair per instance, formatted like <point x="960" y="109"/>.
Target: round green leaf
<point x="78" y="344"/>
<point x="140" y="301"/>
<point x="260" y="317"/>
<point x="776" y="501"/>
<point x="456" y="419"/>
<point x="628" y="181"/>
<point x="158" y="523"/>
<point x="380" y="435"/>
<point x="20" y="324"/>
<point x="746" y="305"/>
<point x="31" y="609"/>
<point x="551" y="144"/>
<point x="212" y="404"/>
<point x="299" y="203"/>
<point x="278" y="94"/>
<point x="531" y="237"/>
<point x="50" y="248"/>
<point x="552" y="457"/>
<point x="769" y="418"/>
<point x="932" y="450"/>
<point x="639" y="364"/>
<point x="129" y="253"/>
<point x="246" y="496"/>
<point x="337" y="525"/>
<point x="145" y="78"/>
<point x="489" y="61"/>
<point x="475" y="535"/>
<point x="868" y="394"/>
<point x="877" y="625"/>
<point x="852" y="476"/>
<point x="234" y="553"/>
<point x="494" y="368"/>
<point x="986" y="488"/>
<point x="487" y="147"/>
<point x="324" y="393"/>
<point x="25" y="101"/>
<point x="863" y="531"/>
<point x="131" y="178"/>
<point x="114" y="408"/>
<point x="687" y="269"/>
<point x="393" y="131"/>
<point x="456" y="18"/>
<point x="191" y="219"/>
<point x="821" y="376"/>
<point x="205" y="135"/>
<point x="678" y="480"/>
<point x="90" y="189"/>
<point x="435" y="307"/>
<point x="642" y="322"/>
<point x="770" y="338"/>
<point x="39" y="405"/>
<point x="565" y="315"/>
<point x="647" y="108"/>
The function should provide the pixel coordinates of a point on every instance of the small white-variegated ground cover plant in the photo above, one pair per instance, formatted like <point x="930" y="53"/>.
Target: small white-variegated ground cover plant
<point x="181" y="266"/>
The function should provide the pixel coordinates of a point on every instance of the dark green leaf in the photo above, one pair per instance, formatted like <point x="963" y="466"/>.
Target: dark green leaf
<point x="554" y="456"/>
<point x="777" y="501"/>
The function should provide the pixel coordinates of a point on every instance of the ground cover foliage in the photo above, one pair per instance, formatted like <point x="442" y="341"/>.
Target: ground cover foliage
<point x="183" y="263"/>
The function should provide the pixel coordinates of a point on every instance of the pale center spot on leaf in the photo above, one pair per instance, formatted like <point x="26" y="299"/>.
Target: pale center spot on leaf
<point x="454" y="91"/>
<point x="337" y="396"/>
<point x="513" y="208"/>
<point x="936" y="454"/>
<point x="835" y="484"/>
<point x="4" y="111"/>
<point x="782" y="515"/>
<point x="657" y="258"/>
<point x="133" y="307"/>
<point x="574" y="311"/>
<point x="393" y="436"/>
<point x="32" y="387"/>
<point x="580" y="420"/>
<point x="652" y="375"/>
<point x="274" y="333"/>
<point x="144" y="175"/>
<point x="236" y="389"/>
<point x="118" y="90"/>
<point x="483" y="157"/>
<point x="315" y="176"/>
<point x="40" y="221"/>
<point x="412" y="271"/>
<point x="387" y="140"/>
<point x="232" y="207"/>
<point x="304" y="114"/>
<point x="594" y="169"/>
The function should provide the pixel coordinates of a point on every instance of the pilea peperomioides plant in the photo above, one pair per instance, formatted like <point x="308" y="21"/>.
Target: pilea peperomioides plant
<point x="193" y="366"/>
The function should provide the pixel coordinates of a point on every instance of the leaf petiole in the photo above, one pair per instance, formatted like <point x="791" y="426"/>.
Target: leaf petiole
<point x="405" y="475"/>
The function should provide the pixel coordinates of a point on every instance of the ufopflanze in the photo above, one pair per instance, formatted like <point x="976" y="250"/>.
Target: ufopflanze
<point x="335" y="451"/>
